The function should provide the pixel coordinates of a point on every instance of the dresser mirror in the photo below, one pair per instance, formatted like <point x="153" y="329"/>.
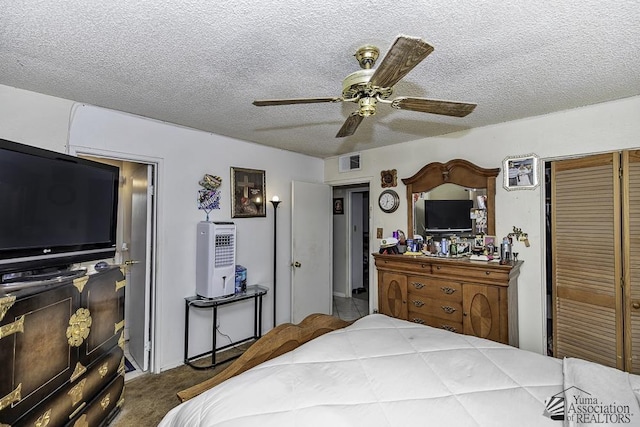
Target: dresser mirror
<point x="459" y="186"/>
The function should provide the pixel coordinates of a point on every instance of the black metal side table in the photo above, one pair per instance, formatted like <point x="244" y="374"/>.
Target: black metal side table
<point x="255" y="292"/>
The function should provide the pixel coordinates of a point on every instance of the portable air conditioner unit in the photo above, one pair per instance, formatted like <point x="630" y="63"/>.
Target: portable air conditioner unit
<point x="215" y="259"/>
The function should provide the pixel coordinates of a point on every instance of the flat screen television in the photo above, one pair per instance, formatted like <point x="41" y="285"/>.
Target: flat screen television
<point x="448" y="216"/>
<point x="55" y="210"/>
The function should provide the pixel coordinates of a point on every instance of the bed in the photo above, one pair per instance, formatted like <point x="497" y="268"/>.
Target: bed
<point x="382" y="371"/>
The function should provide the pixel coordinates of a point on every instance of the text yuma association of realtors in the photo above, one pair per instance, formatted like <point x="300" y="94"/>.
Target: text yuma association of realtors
<point x="589" y="410"/>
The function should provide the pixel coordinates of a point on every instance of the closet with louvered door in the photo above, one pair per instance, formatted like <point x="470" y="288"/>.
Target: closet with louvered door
<point x="631" y="245"/>
<point x="587" y="259"/>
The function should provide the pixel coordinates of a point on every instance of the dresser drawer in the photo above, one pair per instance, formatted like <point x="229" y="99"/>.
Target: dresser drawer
<point x="450" y="310"/>
<point x="73" y="397"/>
<point x="435" y="288"/>
<point x="436" y="322"/>
<point x="104" y="407"/>
<point x="488" y="274"/>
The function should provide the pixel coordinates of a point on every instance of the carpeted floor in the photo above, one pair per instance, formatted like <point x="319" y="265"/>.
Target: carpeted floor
<point x="149" y="397"/>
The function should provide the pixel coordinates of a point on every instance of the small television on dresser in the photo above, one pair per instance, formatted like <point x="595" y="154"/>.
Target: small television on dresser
<point x="55" y="210"/>
<point x="448" y="216"/>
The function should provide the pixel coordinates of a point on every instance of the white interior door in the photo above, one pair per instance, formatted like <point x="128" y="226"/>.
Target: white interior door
<point x="311" y="250"/>
<point x="139" y="265"/>
<point x="356" y="234"/>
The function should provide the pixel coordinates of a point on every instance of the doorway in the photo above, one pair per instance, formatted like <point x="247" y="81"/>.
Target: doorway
<point x="135" y="249"/>
<point x="351" y="257"/>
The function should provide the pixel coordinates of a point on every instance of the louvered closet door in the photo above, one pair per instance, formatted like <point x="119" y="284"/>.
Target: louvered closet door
<point x="587" y="259"/>
<point x="631" y="248"/>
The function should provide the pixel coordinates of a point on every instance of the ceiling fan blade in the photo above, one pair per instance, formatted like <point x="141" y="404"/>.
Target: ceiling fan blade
<point x="433" y="106"/>
<point x="350" y="125"/>
<point x="267" y="102"/>
<point x="405" y="53"/>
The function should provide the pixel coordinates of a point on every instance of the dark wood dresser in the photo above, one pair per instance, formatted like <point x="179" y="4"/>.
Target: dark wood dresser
<point x="62" y="351"/>
<point x="472" y="297"/>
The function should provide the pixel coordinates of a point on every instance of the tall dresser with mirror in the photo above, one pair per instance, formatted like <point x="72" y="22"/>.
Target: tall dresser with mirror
<point x="472" y="297"/>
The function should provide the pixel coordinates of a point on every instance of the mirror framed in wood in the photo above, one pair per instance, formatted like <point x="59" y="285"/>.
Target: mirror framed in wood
<point x="459" y="172"/>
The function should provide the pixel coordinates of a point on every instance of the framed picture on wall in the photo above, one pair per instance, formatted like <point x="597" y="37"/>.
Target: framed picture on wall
<point x="338" y="206"/>
<point x="521" y="172"/>
<point x="247" y="193"/>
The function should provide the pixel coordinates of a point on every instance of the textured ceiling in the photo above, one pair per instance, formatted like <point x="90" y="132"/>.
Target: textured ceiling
<point x="200" y="63"/>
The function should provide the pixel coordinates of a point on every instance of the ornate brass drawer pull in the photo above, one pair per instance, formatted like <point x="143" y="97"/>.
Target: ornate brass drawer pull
<point x="79" y="327"/>
<point x="417" y="303"/>
<point x="105" y="401"/>
<point x="447" y="309"/>
<point x="448" y="328"/>
<point x="447" y="290"/>
<point x="416" y="320"/>
<point x="418" y="285"/>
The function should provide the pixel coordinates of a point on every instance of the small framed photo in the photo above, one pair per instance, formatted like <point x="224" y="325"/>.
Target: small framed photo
<point x="247" y="193"/>
<point x="521" y="172"/>
<point x="338" y="206"/>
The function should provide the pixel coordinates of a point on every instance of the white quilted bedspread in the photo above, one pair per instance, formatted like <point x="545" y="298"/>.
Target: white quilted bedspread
<point x="382" y="371"/>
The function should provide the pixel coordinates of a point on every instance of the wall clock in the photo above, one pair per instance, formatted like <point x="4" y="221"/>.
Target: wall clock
<point x="388" y="201"/>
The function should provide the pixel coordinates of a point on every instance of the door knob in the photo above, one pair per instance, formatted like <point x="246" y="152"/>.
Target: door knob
<point x="636" y="305"/>
<point x="131" y="262"/>
<point x="297" y="264"/>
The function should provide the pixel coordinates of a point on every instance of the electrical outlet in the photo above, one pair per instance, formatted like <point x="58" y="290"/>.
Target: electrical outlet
<point x="379" y="233"/>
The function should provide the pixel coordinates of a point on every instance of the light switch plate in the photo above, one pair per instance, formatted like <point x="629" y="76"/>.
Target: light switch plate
<point x="379" y="233"/>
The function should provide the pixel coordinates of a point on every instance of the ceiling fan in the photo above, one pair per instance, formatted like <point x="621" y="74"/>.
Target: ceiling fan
<point x="369" y="86"/>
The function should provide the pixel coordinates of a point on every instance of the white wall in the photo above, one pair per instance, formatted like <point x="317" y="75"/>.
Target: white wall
<point x="598" y="128"/>
<point x="184" y="156"/>
<point x="34" y="119"/>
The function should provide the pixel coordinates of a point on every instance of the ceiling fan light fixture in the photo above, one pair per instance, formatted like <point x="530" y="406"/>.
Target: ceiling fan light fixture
<point x="369" y="85"/>
<point x="367" y="106"/>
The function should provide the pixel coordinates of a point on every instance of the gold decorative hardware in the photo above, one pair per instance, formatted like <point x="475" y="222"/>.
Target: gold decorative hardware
<point x="122" y="270"/>
<point x="121" y="341"/>
<point x="5" y="304"/>
<point x="448" y="328"/>
<point x="121" y="284"/>
<point x="76" y="392"/>
<point x="416" y="320"/>
<point x="80" y="282"/>
<point x="78" y="372"/>
<point x="418" y="285"/>
<point x="105" y="401"/>
<point x="447" y="290"/>
<point x="417" y="303"/>
<point x="12" y="328"/>
<point x="118" y="326"/>
<point x="81" y="422"/>
<point x="121" y="399"/>
<point x="44" y="419"/>
<point x="447" y="309"/>
<point x="79" y="327"/>
<point x="104" y="369"/>
<point x="11" y="398"/>
<point x="636" y="305"/>
<point x="121" y="366"/>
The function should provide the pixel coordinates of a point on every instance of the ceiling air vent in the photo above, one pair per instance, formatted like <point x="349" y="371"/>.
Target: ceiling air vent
<point x="350" y="162"/>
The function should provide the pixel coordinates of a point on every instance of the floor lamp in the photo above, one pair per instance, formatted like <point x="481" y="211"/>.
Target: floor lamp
<point x="275" y="201"/>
